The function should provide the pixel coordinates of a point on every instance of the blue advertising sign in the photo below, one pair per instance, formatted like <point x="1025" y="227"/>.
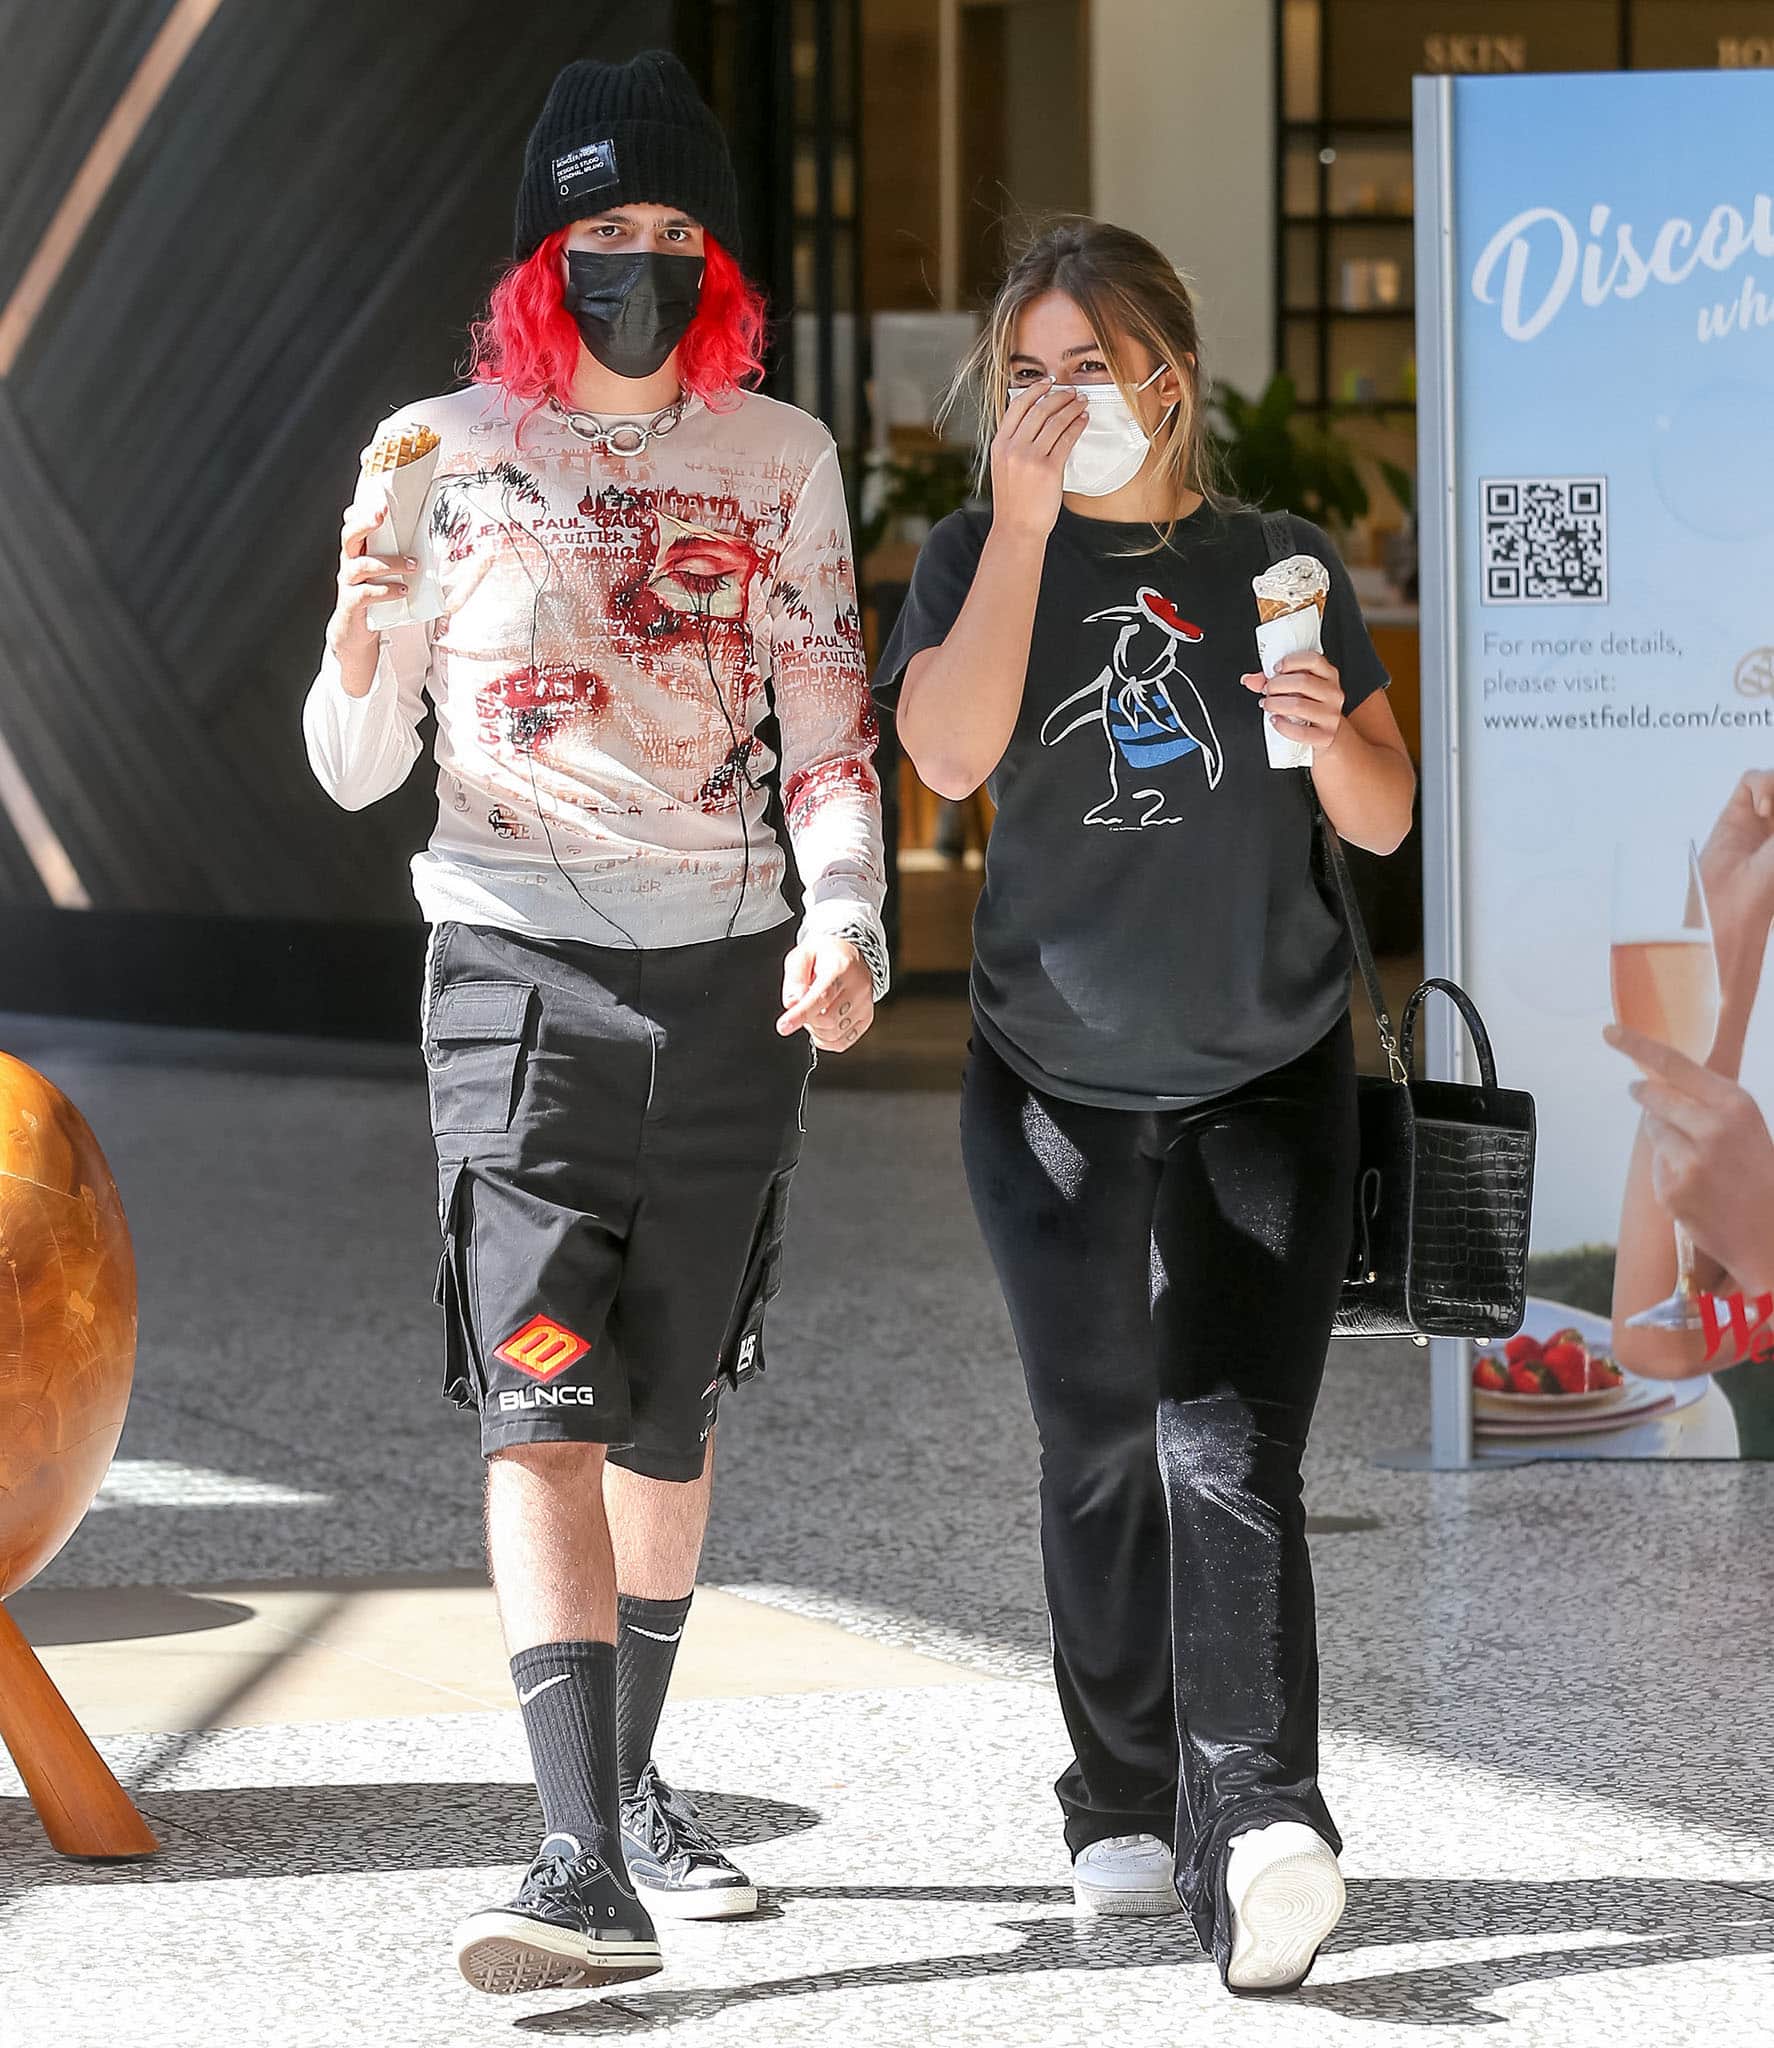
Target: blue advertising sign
<point x="1596" y="322"/>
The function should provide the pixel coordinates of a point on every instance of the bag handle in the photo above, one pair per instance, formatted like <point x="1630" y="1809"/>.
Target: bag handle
<point x="1481" y="1038"/>
<point x="1280" y="544"/>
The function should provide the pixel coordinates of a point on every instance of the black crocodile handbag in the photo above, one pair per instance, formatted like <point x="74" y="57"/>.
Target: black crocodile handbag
<point x="1445" y="1188"/>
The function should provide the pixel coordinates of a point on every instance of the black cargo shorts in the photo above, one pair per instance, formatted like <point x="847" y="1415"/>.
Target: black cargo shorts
<point x="616" y="1130"/>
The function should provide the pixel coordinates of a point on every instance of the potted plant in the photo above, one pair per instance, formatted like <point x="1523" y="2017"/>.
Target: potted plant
<point x="1398" y="554"/>
<point x="903" y="496"/>
<point x="1273" y="456"/>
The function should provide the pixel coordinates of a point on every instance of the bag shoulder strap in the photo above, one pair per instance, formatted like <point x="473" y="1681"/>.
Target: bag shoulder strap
<point x="1276" y="538"/>
<point x="1279" y="542"/>
<point x="1364" y="952"/>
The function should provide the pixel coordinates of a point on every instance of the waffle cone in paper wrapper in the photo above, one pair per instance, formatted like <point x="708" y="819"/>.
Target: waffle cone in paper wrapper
<point x="398" y="450"/>
<point x="1290" y="614"/>
<point x="399" y="464"/>
<point x="1269" y="608"/>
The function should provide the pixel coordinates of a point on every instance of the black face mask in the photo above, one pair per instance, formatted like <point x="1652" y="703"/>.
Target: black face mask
<point x="632" y="308"/>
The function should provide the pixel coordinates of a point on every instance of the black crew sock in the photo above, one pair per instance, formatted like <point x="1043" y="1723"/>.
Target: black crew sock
<point x="568" y="1695"/>
<point x="647" y="1633"/>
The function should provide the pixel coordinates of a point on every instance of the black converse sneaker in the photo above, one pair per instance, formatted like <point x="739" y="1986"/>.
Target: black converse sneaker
<point x="675" y="1860"/>
<point x="575" y="1924"/>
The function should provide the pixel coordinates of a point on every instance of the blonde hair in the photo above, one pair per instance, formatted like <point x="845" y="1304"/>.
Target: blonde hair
<point x="1129" y="291"/>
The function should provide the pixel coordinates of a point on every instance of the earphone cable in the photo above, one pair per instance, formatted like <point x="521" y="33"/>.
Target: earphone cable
<point x="737" y="758"/>
<point x="514" y="527"/>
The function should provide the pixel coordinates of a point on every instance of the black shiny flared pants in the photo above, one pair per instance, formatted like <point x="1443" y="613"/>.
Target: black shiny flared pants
<point x="1171" y="1278"/>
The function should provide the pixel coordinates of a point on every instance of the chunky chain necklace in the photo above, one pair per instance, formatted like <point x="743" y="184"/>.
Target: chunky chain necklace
<point x="625" y="437"/>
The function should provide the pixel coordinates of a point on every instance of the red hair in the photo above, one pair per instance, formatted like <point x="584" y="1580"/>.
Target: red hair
<point x="529" y="342"/>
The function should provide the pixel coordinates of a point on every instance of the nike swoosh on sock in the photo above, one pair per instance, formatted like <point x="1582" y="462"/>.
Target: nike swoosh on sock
<point x="524" y="1698"/>
<point x="653" y="1635"/>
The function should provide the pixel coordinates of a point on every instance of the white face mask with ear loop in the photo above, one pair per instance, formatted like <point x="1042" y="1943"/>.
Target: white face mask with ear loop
<point x="1113" y="444"/>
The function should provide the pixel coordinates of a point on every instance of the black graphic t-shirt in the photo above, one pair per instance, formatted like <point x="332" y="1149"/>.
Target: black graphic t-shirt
<point x="1153" y="930"/>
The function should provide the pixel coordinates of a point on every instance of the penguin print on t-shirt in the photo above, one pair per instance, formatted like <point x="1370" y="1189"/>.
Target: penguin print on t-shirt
<point x="1128" y="968"/>
<point x="1158" y="737"/>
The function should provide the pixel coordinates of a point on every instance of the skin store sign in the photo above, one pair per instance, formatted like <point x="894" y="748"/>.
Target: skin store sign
<point x="1606" y="340"/>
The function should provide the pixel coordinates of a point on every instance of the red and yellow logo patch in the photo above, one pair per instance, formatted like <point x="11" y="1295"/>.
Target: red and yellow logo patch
<point x="543" y="1348"/>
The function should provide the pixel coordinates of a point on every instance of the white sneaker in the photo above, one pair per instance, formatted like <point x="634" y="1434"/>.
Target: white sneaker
<point x="1126" y="1874"/>
<point x="1286" y="1894"/>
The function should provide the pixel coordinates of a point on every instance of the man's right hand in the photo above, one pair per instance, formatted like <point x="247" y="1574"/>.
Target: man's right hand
<point x="1038" y="431"/>
<point x="364" y="579"/>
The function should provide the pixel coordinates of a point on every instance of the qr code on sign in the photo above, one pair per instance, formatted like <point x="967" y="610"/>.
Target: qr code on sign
<point x="1545" y="539"/>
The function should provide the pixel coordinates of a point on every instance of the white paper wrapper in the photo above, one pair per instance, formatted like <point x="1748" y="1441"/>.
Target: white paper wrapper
<point x="401" y="532"/>
<point x="1296" y="633"/>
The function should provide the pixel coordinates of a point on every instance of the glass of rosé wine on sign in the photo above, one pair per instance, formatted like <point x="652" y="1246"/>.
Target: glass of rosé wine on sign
<point x="1666" y="985"/>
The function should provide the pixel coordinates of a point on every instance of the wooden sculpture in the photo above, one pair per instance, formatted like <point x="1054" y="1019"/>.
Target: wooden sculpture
<point x="67" y="1355"/>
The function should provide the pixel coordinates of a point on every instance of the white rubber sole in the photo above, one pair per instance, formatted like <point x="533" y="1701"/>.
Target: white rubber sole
<point x="713" y="1902"/>
<point x="1287" y="1914"/>
<point x="1113" y="1903"/>
<point x="504" y="1952"/>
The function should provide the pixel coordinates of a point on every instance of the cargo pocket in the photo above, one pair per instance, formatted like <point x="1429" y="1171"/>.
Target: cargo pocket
<point x="742" y="1353"/>
<point x="473" y="1049"/>
<point x="461" y="1380"/>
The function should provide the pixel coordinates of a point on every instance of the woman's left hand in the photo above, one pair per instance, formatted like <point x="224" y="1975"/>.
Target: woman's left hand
<point x="826" y="986"/>
<point x="1305" y="699"/>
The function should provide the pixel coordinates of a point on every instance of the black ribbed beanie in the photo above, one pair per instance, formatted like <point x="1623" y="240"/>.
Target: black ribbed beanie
<point x="634" y="134"/>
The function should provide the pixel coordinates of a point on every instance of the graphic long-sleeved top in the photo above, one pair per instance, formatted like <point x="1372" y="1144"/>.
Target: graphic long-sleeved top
<point x="613" y="631"/>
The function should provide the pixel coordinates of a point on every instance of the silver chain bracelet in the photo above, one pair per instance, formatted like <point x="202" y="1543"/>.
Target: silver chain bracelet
<point x="869" y="940"/>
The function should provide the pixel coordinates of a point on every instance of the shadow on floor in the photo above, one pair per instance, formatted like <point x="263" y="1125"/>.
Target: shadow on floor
<point x="1607" y="1924"/>
<point x="55" y="1619"/>
<point x="51" y="1041"/>
<point x="277" y="1831"/>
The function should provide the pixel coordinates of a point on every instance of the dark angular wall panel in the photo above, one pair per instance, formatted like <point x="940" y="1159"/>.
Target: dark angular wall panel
<point x="294" y="245"/>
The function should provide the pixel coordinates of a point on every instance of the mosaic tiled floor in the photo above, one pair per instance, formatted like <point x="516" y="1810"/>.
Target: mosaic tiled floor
<point x="1547" y="1691"/>
<point x="914" y="1893"/>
